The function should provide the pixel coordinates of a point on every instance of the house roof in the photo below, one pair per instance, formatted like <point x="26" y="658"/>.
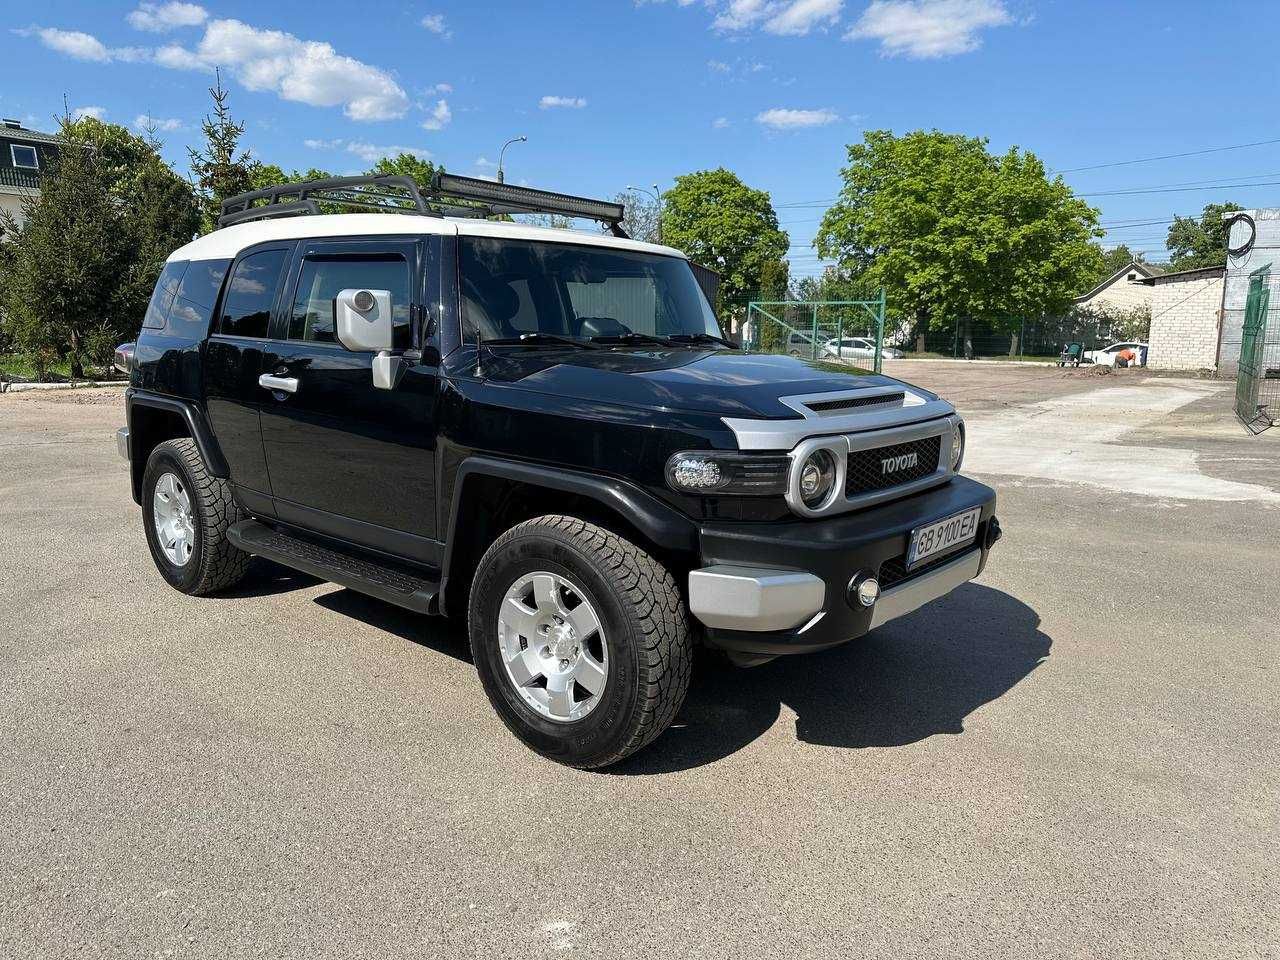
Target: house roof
<point x="23" y="135"/>
<point x="1200" y="273"/>
<point x="1147" y="273"/>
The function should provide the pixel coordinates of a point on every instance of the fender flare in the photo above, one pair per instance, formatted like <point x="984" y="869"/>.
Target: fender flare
<point x="657" y="521"/>
<point x="197" y="425"/>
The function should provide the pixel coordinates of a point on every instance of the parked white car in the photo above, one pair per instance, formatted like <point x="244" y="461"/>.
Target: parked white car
<point x="858" y="348"/>
<point x="1107" y="356"/>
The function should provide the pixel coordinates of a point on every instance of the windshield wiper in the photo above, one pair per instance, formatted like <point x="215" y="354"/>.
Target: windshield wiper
<point x="630" y="337"/>
<point x="538" y="338"/>
<point x="701" y="338"/>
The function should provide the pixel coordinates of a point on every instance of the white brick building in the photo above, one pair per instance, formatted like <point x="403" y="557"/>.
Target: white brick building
<point x="1123" y="290"/>
<point x="1186" y="319"/>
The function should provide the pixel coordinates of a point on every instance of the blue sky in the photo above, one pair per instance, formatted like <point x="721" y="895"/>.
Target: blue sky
<point x="616" y="92"/>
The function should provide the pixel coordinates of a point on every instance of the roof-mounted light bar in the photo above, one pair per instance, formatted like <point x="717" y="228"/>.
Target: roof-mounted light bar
<point x="507" y="198"/>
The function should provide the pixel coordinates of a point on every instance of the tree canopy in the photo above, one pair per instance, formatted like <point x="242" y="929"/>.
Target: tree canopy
<point x="723" y="224"/>
<point x="955" y="233"/>
<point x="78" y="273"/>
<point x="1200" y="243"/>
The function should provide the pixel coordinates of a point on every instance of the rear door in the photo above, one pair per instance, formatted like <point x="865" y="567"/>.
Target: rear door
<point x="233" y="362"/>
<point x="346" y="459"/>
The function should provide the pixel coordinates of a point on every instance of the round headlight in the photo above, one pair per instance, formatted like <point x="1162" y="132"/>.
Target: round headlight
<point x="957" y="446"/>
<point x="817" y="475"/>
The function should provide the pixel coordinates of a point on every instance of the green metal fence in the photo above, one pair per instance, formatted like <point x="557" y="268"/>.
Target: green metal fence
<point x="1258" y="375"/>
<point x="845" y="332"/>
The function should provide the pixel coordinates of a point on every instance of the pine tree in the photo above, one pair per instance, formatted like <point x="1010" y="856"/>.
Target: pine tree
<point x="219" y="171"/>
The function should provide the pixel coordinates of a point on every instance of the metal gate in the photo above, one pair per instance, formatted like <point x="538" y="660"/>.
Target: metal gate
<point x="845" y="332"/>
<point x="1258" y="377"/>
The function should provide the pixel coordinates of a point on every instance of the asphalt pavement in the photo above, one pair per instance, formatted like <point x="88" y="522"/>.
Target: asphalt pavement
<point x="1075" y="756"/>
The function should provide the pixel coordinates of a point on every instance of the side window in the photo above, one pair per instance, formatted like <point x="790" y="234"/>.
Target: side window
<point x="246" y="307"/>
<point x="322" y="278"/>
<point x="193" y="306"/>
<point x="162" y="296"/>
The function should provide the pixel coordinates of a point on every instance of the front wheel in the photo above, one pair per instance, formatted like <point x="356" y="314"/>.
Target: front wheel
<point x="581" y="640"/>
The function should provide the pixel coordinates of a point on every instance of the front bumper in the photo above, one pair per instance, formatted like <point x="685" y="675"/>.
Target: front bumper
<point x="770" y="589"/>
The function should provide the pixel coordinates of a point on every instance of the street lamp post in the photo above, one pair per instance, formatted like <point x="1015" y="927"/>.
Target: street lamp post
<point x="657" y="198"/>
<point x="504" y="150"/>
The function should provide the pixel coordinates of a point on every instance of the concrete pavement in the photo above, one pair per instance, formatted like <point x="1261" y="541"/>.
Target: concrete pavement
<point x="1073" y="757"/>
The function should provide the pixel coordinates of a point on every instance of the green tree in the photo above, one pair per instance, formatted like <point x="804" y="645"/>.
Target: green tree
<point x="407" y="165"/>
<point x="774" y="282"/>
<point x="721" y="223"/>
<point x="1200" y="243"/>
<point x="955" y="234"/>
<point x="643" y="216"/>
<point x="221" y="169"/>
<point x="82" y="266"/>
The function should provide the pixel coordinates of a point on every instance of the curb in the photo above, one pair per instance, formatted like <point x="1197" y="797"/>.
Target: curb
<point x="6" y="387"/>
<point x="989" y="363"/>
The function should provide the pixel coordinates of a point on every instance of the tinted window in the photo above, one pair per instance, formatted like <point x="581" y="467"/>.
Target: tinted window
<point x="201" y="282"/>
<point x="162" y="296"/>
<point x="24" y="156"/>
<point x="246" y="308"/>
<point x="323" y="278"/>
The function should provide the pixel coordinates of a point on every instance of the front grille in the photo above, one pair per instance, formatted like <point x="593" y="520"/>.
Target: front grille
<point x="894" y="572"/>
<point x="849" y="403"/>
<point x="869" y="470"/>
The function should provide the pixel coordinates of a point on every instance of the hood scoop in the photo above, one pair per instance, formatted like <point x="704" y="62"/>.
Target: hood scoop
<point x="841" y="402"/>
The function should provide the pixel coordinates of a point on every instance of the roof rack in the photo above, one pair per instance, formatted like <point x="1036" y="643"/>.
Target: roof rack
<point x="449" y="195"/>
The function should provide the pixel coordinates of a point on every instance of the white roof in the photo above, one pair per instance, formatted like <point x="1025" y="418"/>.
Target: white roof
<point x="226" y="243"/>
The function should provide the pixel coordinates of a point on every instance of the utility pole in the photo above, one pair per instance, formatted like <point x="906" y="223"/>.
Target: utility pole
<point x="521" y="139"/>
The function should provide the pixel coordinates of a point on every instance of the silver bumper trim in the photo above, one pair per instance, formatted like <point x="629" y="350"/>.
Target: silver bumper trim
<point x="731" y="597"/>
<point x="914" y="594"/>
<point x="122" y="442"/>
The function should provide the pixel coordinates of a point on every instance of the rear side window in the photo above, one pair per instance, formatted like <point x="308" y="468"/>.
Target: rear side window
<point x="162" y="297"/>
<point x="197" y="293"/>
<point x="323" y="278"/>
<point x="246" y="307"/>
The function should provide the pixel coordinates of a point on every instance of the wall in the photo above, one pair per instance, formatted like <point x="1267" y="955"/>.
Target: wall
<point x="1124" y="294"/>
<point x="1184" y="323"/>
<point x="1265" y="251"/>
<point x="11" y="204"/>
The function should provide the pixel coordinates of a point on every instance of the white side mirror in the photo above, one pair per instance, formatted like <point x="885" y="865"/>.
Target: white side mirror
<point x="362" y="319"/>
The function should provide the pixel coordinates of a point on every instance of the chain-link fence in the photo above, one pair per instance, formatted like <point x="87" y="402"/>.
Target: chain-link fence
<point x="1041" y="338"/>
<point x="1258" y="375"/>
<point x="846" y="332"/>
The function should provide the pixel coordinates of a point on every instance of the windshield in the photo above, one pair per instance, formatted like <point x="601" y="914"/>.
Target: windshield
<point x="515" y="287"/>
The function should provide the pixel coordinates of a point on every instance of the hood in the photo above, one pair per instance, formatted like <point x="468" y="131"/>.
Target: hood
<point x="721" y="383"/>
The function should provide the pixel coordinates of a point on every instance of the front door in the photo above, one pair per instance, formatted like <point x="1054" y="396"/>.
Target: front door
<point x="347" y="459"/>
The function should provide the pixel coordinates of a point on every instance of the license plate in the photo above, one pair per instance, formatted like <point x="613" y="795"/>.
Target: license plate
<point x="942" y="535"/>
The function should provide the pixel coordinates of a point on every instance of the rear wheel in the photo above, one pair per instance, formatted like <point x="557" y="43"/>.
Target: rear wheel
<point x="186" y="513"/>
<point x="581" y="640"/>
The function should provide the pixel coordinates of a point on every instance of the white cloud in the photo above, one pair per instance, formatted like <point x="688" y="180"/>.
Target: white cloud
<point x="145" y="121"/>
<point x="928" y="28"/>
<point x="439" y="117"/>
<point x="323" y="144"/>
<point x="74" y="43"/>
<point x="435" y="23"/>
<point x="572" y="103"/>
<point x="305" y="71"/>
<point x="718" y="66"/>
<point x="720" y="123"/>
<point x="163" y="17"/>
<point x="484" y="163"/>
<point x="370" y="153"/>
<point x="798" y="18"/>
<point x="788" y="18"/>
<point x="96" y="112"/>
<point x="781" y="118"/>
<point x="439" y="88"/>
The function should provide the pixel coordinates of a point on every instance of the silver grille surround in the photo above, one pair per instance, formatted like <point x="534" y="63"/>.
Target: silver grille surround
<point x="841" y="446"/>
<point x="784" y="434"/>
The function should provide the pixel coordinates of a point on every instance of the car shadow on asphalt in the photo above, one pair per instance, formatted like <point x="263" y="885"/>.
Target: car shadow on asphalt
<point x="435" y="633"/>
<point x="266" y="579"/>
<point x="904" y="682"/>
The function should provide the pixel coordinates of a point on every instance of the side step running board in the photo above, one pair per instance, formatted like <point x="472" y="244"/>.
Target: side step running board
<point x="384" y="581"/>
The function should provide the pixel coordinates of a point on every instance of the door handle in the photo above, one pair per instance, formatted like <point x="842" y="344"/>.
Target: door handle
<point x="282" y="384"/>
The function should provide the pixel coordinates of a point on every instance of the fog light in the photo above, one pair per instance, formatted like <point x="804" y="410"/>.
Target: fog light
<point x="865" y="589"/>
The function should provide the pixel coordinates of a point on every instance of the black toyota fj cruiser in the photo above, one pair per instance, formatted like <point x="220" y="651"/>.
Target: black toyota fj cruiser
<point x="542" y="431"/>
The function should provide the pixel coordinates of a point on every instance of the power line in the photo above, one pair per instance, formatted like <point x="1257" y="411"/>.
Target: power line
<point x="1168" y="156"/>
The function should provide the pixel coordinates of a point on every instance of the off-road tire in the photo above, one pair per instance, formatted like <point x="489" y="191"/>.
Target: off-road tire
<point x="644" y="622"/>
<point x="214" y="564"/>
